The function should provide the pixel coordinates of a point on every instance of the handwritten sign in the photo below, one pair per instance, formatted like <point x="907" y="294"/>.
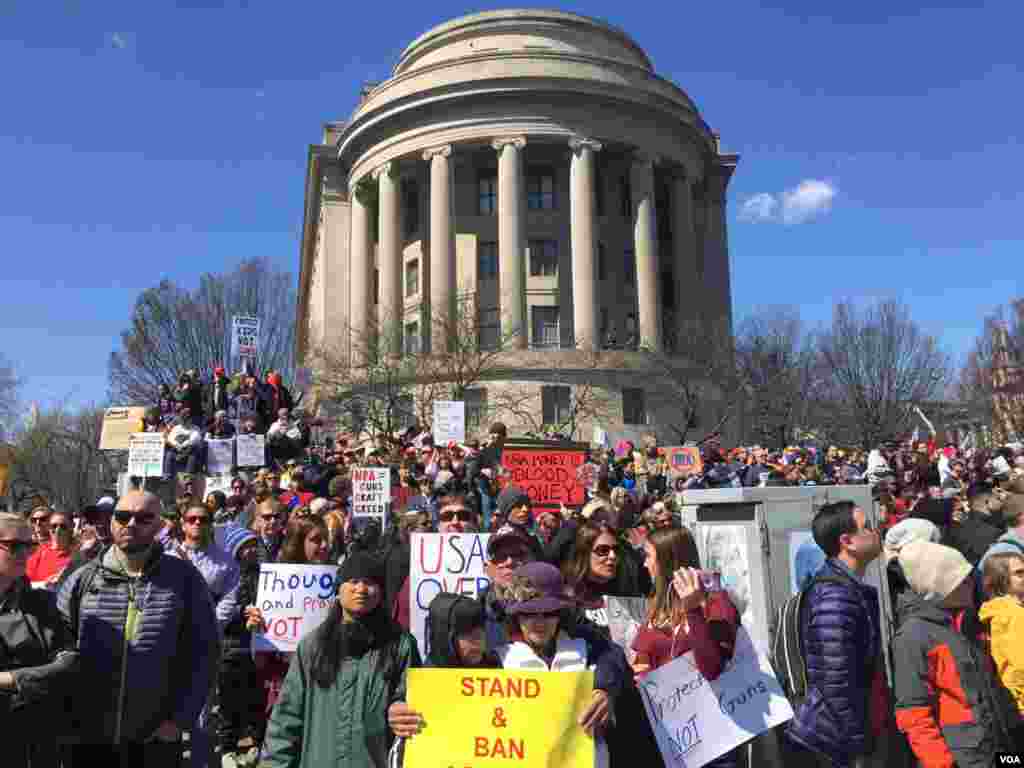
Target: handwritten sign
<point x="443" y="562"/>
<point x="371" y="492"/>
<point x="118" y="424"/>
<point x="220" y="455"/>
<point x="245" y="336"/>
<point x="251" y="450"/>
<point x="683" y="461"/>
<point x="294" y="600"/>
<point x="220" y="483"/>
<point x="449" y="421"/>
<point x="487" y="718"/>
<point x="549" y="475"/>
<point x="696" y="720"/>
<point x="146" y="454"/>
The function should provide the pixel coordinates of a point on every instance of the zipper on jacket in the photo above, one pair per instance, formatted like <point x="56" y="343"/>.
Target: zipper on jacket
<point x="130" y="622"/>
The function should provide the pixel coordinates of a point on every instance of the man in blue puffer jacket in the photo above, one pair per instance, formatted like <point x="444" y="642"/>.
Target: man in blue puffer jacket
<point x="847" y="699"/>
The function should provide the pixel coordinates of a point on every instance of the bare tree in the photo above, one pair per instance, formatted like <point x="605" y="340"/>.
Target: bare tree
<point x="990" y="383"/>
<point x="9" y="390"/>
<point x="174" y="329"/>
<point x="877" y="364"/>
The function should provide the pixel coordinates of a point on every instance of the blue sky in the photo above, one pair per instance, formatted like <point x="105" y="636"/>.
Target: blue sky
<point x="150" y="140"/>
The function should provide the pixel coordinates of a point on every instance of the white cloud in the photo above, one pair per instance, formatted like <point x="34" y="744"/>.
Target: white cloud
<point x="117" y="40"/>
<point x="761" y="207"/>
<point x="810" y="198"/>
<point x="807" y="200"/>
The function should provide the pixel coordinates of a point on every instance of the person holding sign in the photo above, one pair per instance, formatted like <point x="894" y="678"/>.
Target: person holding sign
<point x="342" y="680"/>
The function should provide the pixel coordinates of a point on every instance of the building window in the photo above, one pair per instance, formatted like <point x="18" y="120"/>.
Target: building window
<point x="604" y="323"/>
<point x="602" y="267"/>
<point x="487" y="185"/>
<point x="412" y="278"/>
<point x="545" y="327"/>
<point x="411" y="207"/>
<point x="634" y="409"/>
<point x="625" y="197"/>
<point x="629" y="265"/>
<point x="412" y="338"/>
<point x="540" y="189"/>
<point x="543" y="258"/>
<point x="555" y="404"/>
<point x="489" y="329"/>
<point x="486" y="260"/>
<point x="476" y="408"/>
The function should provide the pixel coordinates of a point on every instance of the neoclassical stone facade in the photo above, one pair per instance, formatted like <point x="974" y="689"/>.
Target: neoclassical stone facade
<point x="534" y="162"/>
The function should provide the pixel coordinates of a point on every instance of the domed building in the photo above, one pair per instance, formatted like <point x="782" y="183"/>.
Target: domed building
<point x="527" y="171"/>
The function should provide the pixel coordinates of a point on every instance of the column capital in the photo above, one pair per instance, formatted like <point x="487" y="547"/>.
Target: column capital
<point x="579" y="143"/>
<point x="385" y="168"/>
<point x="516" y="141"/>
<point x="442" y="151"/>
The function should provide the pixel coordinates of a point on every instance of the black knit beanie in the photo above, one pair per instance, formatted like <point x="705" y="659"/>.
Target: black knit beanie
<point x="362" y="565"/>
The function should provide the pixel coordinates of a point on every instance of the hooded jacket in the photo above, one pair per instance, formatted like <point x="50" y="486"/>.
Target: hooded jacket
<point x="1005" y="619"/>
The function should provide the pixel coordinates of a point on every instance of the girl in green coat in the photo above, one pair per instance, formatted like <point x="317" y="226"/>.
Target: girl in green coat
<point x="333" y="706"/>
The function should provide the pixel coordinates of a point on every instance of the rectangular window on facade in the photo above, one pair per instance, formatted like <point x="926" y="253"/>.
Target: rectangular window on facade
<point x="410" y="207"/>
<point x="486" y="260"/>
<point x="634" y="409"/>
<point x="602" y="267"/>
<point x="629" y="265"/>
<point x="412" y="278"/>
<point x="555" y="404"/>
<point x="545" y="327"/>
<point x="540" y="189"/>
<point x="412" y="338"/>
<point x="489" y="329"/>
<point x="604" y="322"/>
<point x="543" y="258"/>
<point x="476" y="408"/>
<point x="625" y="197"/>
<point x="487" y="184"/>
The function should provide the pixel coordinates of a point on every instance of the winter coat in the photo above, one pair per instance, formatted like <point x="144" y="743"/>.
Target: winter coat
<point x="946" y="692"/>
<point x="346" y="724"/>
<point x="1005" y="619"/>
<point x="171" y="660"/>
<point x="972" y="536"/>
<point x="842" y="650"/>
<point x="37" y="648"/>
<point x="238" y="639"/>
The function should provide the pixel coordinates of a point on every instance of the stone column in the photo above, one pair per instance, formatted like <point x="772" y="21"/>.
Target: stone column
<point x="684" y="245"/>
<point x="645" y="243"/>
<point x="582" y="205"/>
<point x="717" y="288"/>
<point x="360" y="279"/>
<point x="389" y="259"/>
<point x="442" y="316"/>
<point x="511" y="243"/>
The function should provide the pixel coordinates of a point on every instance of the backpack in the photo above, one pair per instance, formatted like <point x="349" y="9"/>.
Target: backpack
<point x="787" y="653"/>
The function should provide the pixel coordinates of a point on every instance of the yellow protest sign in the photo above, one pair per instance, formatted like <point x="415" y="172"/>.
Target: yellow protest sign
<point x="479" y="718"/>
<point x="118" y="424"/>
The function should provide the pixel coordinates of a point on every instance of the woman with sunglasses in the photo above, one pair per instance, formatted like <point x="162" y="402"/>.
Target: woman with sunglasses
<point x="39" y="664"/>
<point x="50" y="559"/>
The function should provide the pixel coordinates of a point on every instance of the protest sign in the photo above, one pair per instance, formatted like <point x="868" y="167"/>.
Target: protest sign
<point x="146" y="454"/>
<point x="624" y="617"/>
<point x="683" y="461"/>
<point x="371" y="492"/>
<point x="294" y="600"/>
<point x="549" y="474"/>
<point x="487" y="717"/>
<point x="220" y="456"/>
<point x="220" y="483"/>
<point x="449" y="421"/>
<point x="245" y="336"/>
<point x="696" y="720"/>
<point x="118" y="424"/>
<point x="251" y="450"/>
<point x="443" y="562"/>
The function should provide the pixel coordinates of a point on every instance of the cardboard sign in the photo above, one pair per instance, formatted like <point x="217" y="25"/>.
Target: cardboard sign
<point x="696" y="720"/>
<point x="250" y="450"/>
<point x="443" y="562"/>
<point x="245" y="336"/>
<point x="146" y="454"/>
<point x="220" y="483"/>
<point x="549" y="475"/>
<point x="371" y="492"/>
<point x="220" y="456"/>
<point x="118" y="424"/>
<point x="294" y="600"/>
<point x="683" y="461"/>
<point x="495" y="717"/>
<point x="449" y="421"/>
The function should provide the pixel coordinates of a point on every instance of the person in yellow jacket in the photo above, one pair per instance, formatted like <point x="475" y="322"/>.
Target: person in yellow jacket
<point x="1003" y="614"/>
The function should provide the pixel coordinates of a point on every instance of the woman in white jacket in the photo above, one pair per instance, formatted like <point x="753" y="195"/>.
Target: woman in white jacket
<point x="538" y="642"/>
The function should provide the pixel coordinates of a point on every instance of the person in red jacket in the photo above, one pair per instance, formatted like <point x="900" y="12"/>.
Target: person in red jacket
<point x="50" y="559"/>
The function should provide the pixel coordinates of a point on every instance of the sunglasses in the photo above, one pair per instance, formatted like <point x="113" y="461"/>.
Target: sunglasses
<point x="141" y="518"/>
<point x="447" y="515"/>
<point x="17" y="547"/>
<point x="603" y="550"/>
<point x="193" y="520"/>
<point x="509" y="557"/>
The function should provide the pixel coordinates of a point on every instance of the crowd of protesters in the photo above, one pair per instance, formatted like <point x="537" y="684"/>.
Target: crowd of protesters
<point x="131" y="622"/>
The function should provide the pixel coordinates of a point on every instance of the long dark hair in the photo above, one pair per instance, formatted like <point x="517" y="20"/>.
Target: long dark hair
<point x="334" y="641"/>
<point x="576" y="568"/>
<point x="293" y="550"/>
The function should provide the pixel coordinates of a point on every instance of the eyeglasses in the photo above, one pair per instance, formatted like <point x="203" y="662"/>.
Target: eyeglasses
<point x="141" y="518"/>
<point x="509" y="557"/>
<point x="18" y="547"/>
<point x="603" y="550"/>
<point x="193" y="520"/>
<point x="447" y="515"/>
